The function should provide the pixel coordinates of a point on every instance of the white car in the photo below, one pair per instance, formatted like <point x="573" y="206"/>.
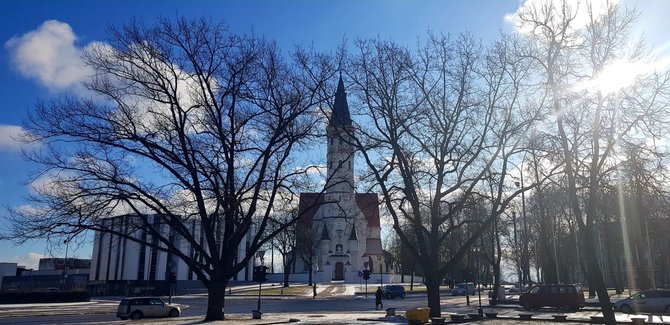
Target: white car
<point x="140" y="307"/>
<point x="647" y="301"/>
<point x="459" y="289"/>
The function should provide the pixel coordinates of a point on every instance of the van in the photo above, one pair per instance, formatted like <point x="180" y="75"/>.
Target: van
<point x="563" y="296"/>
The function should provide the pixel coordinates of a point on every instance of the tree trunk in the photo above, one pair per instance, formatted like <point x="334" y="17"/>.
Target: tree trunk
<point x="309" y="276"/>
<point x="612" y="247"/>
<point x="496" y="266"/>
<point x="216" y="293"/>
<point x="433" y="290"/>
<point x="286" y="275"/>
<point x="595" y="276"/>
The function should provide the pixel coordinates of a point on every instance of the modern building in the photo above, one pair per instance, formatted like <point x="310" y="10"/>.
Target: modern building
<point x="122" y="266"/>
<point x="345" y="224"/>
<point x="59" y="263"/>
<point x="53" y="273"/>
<point x="7" y="269"/>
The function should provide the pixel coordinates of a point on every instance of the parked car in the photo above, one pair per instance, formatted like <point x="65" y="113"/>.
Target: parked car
<point x="518" y="289"/>
<point x="392" y="291"/>
<point x="563" y="296"/>
<point x="140" y="307"/>
<point x="460" y="289"/>
<point x="647" y="301"/>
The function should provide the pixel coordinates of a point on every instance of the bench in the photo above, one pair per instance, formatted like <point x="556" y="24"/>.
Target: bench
<point x="560" y="318"/>
<point x="437" y="320"/>
<point x="457" y="318"/>
<point x="475" y="316"/>
<point x="638" y="320"/>
<point x="597" y="320"/>
<point x="526" y="316"/>
<point x="491" y="315"/>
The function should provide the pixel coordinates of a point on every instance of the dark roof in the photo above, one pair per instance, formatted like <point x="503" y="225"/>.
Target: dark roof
<point x="340" y="114"/>
<point x="367" y="202"/>
<point x="373" y="246"/>
<point x="369" y="205"/>
<point x="309" y="204"/>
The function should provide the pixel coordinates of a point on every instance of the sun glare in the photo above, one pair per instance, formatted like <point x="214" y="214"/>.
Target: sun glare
<point x="617" y="75"/>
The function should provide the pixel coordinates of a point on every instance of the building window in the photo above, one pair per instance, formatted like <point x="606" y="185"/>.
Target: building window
<point x="338" y="247"/>
<point x="142" y="257"/>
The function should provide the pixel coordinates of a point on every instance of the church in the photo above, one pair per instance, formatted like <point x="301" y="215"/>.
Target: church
<point x="344" y="224"/>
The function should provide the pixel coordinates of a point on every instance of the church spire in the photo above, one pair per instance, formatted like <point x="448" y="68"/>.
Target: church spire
<point x="340" y="116"/>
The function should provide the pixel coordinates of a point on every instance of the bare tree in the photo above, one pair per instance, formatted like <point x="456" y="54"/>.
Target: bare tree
<point x="285" y="241"/>
<point x="443" y="123"/>
<point x="187" y="122"/>
<point x="308" y="237"/>
<point x="572" y="48"/>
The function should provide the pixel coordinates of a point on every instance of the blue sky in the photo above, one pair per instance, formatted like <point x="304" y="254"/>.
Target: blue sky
<point x="324" y="24"/>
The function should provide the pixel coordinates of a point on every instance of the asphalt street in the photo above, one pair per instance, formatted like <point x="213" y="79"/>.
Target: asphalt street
<point x="335" y="304"/>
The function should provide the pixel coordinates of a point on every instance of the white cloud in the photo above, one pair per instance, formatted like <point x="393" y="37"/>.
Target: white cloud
<point x="551" y="8"/>
<point x="50" y="56"/>
<point x="9" y="138"/>
<point x="31" y="260"/>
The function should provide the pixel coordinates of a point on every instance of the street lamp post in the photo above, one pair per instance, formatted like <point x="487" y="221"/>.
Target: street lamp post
<point x="64" y="279"/>
<point x="381" y="276"/>
<point x="260" y="255"/>
<point x="480" y="311"/>
<point x="524" y="251"/>
<point x="516" y="248"/>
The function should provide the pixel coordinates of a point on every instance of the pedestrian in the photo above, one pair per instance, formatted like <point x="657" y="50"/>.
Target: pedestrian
<point x="378" y="298"/>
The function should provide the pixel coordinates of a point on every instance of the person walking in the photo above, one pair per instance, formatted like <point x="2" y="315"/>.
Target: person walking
<point x="378" y="298"/>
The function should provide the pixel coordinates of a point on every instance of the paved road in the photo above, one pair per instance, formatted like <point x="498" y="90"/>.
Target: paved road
<point x="334" y="303"/>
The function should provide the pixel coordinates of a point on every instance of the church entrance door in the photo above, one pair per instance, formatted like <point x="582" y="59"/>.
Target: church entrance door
<point x="339" y="271"/>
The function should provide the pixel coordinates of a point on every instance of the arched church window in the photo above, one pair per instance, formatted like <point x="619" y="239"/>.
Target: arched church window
<point x="338" y="248"/>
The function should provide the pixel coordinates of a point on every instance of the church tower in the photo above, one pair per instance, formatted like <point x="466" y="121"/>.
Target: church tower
<point x="340" y="148"/>
<point x="345" y="223"/>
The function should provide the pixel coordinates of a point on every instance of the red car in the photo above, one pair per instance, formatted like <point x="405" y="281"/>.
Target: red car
<point x="563" y="296"/>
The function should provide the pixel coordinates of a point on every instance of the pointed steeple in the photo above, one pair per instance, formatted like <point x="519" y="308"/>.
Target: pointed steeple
<point x="340" y="114"/>
<point x="353" y="235"/>
<point x="324" y="233"/>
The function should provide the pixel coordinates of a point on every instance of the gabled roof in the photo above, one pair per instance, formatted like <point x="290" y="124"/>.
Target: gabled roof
<point x="369" y="205"/>
<point x="310" y="203"/>
<point x="373" y="246"/>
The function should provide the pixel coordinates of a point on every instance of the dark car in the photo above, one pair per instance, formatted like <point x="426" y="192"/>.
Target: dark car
<point x="563" y="296"/>
<point x="392" y="291"/>
<point x="647" y="301"/>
